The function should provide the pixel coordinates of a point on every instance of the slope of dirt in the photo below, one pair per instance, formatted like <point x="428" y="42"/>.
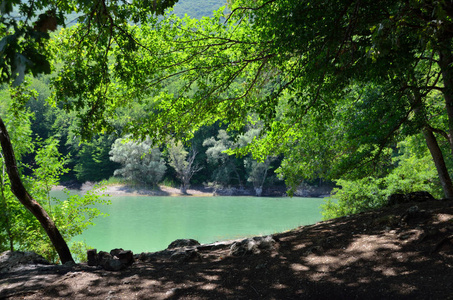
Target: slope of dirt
<point x="400" y="252"/>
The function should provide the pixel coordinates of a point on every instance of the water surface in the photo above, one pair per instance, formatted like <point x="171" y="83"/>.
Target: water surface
<point x="147" y="224"/>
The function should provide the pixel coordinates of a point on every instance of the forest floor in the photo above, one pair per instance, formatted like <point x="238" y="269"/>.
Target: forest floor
<point x="399" y="252"/>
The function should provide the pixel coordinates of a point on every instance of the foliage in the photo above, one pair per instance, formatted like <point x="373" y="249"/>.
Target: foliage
<point x="139" y="160"/>
<point x="44" y="114"/>
<point x="257" y="173"/>
<point x="413" y="173"/>
<point x="50" y="164"/>
<point x="336" y="84"/>
<point x="257" y="170"/>
<point x="19" y="229"/>
<point x="197" y="9"/>
<point x="72" y="216"/>
<point x="224" y="165"/>
<point x="79" y="251"/>
<point x="182" y="162"/>
<point x="26" y="26"/>
<point x="220" y="155"/>
<point x="93" y="162"/>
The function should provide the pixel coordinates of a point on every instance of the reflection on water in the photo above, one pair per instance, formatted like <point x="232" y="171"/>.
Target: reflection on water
<point x="147" y="224"/>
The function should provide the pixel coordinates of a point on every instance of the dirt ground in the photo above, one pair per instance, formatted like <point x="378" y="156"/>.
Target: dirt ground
<point x="127" y="190"/>
<point x="400" y="252"/>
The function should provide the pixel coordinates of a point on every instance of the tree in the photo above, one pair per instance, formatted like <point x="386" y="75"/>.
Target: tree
<point x="22" y="194"/>
<point x="257" y="173"/>
<point x="383" y="69"/>
<point x="183" y="162"/>
<point x="139" y="160"/>
<point x="92" y="161"/>
<point x="226" y="164"/>
<point x="71" y="216"/>
<point x="415" y="172"/>
<point x="23" y="49"/>
<point x="386" y="63"/>
<point x="257" y="170"/>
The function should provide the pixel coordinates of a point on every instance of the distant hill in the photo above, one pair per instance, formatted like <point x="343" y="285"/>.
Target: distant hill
<point x="194" y="8"/>
<point x="197" y="8"/>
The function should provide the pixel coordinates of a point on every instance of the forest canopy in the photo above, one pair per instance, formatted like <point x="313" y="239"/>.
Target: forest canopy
<point x="336" y="84"/>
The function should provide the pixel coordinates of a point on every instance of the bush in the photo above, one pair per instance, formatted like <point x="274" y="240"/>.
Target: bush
<point x="412" y="174"/>
<point x="140" y="162"/>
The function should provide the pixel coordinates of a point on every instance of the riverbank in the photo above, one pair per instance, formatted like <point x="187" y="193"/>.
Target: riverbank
<point x="399" y="252"/>
<point x="198" y="191"/>
<point x="128" y="190"/>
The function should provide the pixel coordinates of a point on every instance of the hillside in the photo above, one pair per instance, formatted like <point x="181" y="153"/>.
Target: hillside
<point x="401" y="252"/>
<point x="193" y="8"/>
<point x="197" y="9"/>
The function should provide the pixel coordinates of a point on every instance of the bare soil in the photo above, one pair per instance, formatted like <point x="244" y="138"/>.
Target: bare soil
<point x="398" y="252"/>
<point x="128" y="190"/>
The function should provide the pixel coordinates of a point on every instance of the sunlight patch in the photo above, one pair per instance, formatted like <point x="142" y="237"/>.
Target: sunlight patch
<point x="299" y="267"/>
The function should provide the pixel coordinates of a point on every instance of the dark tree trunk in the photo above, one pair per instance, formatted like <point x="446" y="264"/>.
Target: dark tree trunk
<point x="439" y="161"/>
<point x="27" y="200"/>
<point x="445" y="64"/>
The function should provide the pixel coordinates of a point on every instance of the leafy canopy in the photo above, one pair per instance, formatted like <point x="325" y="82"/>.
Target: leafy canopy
<point x="335" y="82"/>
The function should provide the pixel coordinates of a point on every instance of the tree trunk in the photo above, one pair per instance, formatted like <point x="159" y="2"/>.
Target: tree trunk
<point x="445" y="63"/>
<point x="439" y="161"/>
<point x="183" y="189"/>
<point x="238" y="177"/>
<point x="27" y="200"/>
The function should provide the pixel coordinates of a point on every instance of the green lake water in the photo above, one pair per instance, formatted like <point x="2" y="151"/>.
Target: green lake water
<point x="148" y="224"/>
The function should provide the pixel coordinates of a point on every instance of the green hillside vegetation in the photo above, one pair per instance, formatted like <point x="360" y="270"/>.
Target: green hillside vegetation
<point x="197" y="9"/>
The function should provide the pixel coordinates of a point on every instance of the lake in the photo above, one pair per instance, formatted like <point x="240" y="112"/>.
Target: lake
<point x="148" y="224"/>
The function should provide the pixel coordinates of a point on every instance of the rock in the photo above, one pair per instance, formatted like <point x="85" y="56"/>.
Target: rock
<point x="180" y="243"/>
<point x="420" y="196"/>
<point x="126" y="257"/>
<point x="11" y="259"/>
<point x="113" y="264"/>
<point x="214" y="246"/>
<point x="116" y="260"/>
<point x="252" y="246"/>
<point x="116" y="251"/>
<point x="103" y="257"/>
<point x="146" y="256"/>
<point x="414" y="214"/>
<point x="92" y="257"/>
<point x="186" y="255"/>
<point x="395" y="199"/>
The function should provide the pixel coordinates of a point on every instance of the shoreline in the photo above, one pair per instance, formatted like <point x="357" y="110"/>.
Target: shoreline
<point x="126" y="190"/>
<point x="122" y="189"/>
